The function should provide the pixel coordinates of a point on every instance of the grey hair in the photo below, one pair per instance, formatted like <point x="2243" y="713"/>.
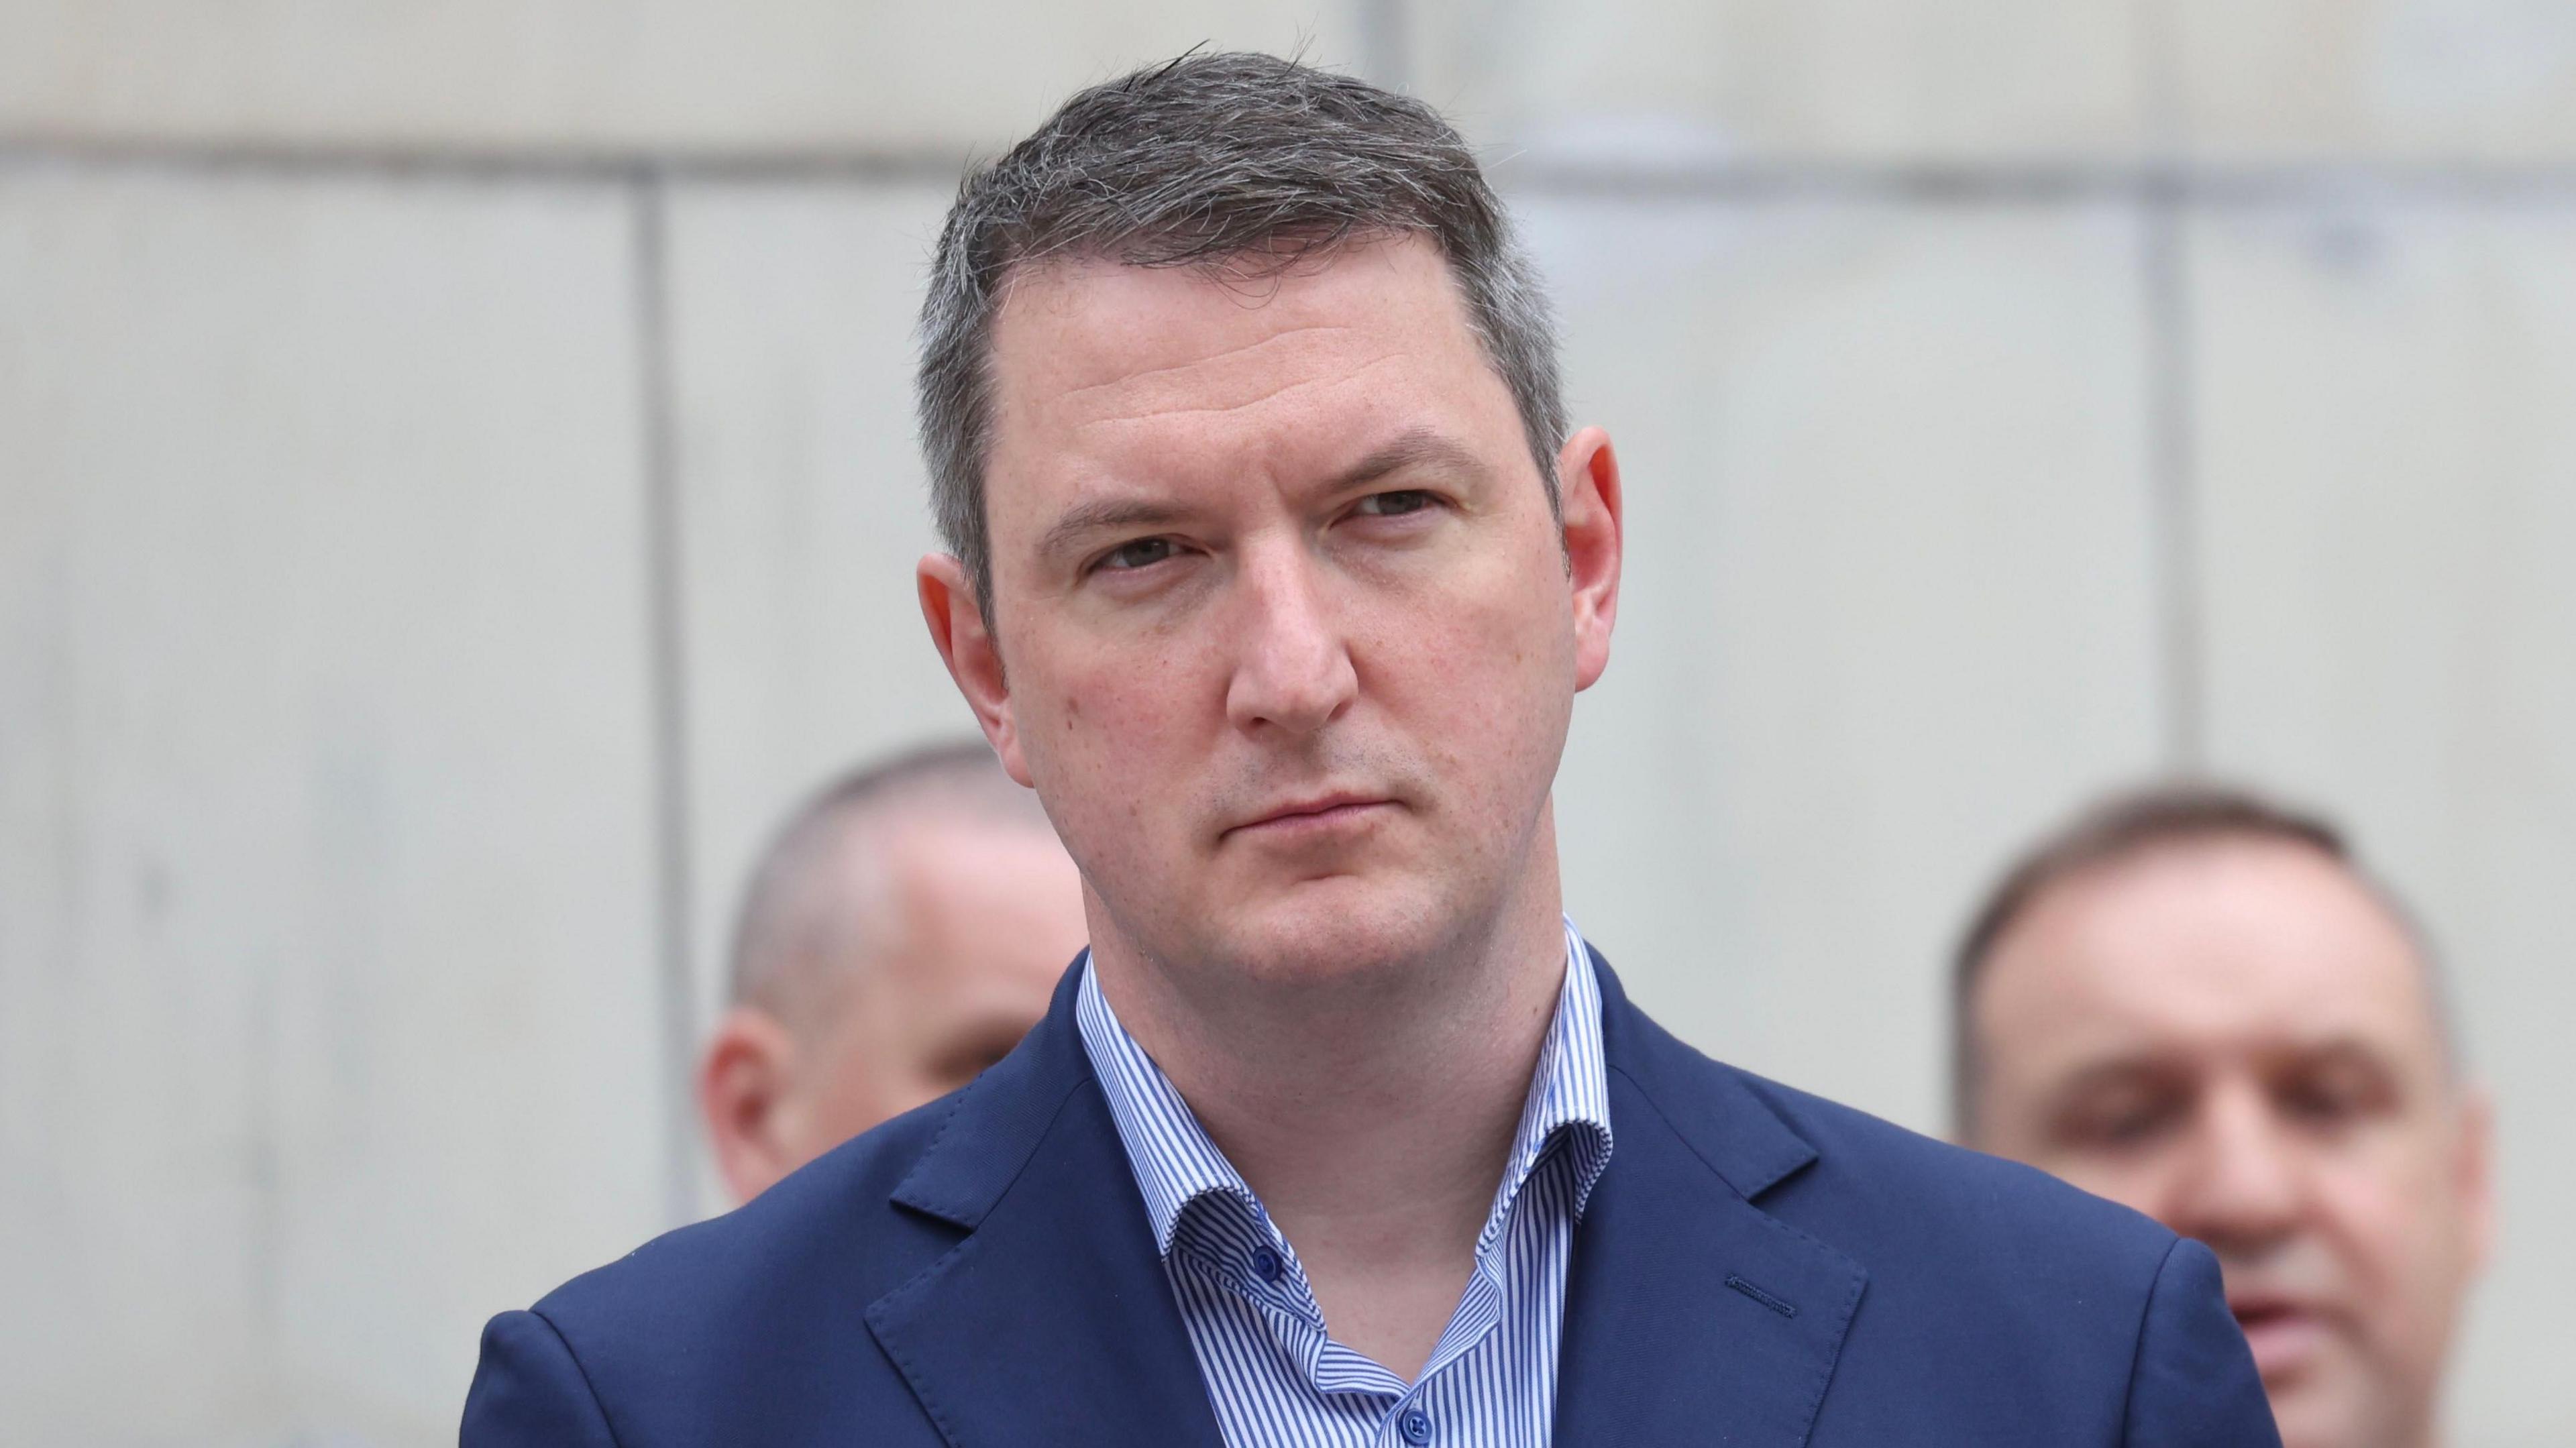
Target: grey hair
<point x="818" y="898"/>
<point x="1217" y="161"/>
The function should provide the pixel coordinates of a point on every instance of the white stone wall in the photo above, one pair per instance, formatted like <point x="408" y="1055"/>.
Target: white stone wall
<point x="457" y="486"/>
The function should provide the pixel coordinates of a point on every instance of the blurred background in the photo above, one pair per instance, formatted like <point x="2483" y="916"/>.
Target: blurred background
<point x="457" y="487"/>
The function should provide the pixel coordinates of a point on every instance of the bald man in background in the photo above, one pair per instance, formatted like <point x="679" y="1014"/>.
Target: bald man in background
<point x="905" y="928"/>
<point x="2198" y="1004"/>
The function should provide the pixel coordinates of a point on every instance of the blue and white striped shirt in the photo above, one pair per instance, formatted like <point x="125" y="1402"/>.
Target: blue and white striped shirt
<point x="1274" y="1376"/>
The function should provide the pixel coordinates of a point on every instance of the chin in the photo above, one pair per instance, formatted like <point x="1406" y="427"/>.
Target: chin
<point x="1344" y="928"/>
<point x="2315" y="1415"/>
<point x="2309" y="1429"/>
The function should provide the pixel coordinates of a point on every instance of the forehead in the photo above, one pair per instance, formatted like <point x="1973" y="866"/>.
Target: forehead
<point x="1097" y="360"/>
<point x="974" y="892"/>
<point x="2205" y="947"/>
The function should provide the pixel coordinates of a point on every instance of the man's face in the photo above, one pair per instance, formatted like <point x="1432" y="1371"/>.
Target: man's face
<point x="1287" y="638"/>
<point x="2234" y="1037"/>
<point x="984" y="920"/>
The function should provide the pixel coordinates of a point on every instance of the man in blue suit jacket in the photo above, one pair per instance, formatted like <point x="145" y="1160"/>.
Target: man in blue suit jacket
<point x="1275" y="571"/>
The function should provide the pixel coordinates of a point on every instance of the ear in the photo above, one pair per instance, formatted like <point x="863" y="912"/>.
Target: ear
<point x="743" y="1086"/>
<point x="974" y="658"/>
<point x="1587" y="483"/>
<point x="2475" y="1169"/>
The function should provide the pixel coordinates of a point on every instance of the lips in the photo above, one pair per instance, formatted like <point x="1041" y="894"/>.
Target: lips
<point x="2286" y="1335"/>
<point x="1317" y="815"/>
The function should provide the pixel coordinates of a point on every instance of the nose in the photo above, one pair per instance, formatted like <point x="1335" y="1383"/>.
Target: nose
<point x="2242" y="1182"/>
<point x="1292" y="670"/>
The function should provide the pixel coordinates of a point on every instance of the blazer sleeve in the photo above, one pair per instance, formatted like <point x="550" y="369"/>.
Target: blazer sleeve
<point x="528" y="1391"/>
<point x="2193" y="1384"/>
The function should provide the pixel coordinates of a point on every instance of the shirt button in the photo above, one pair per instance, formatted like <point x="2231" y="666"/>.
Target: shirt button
<point x="1266" y="1262"/>
<point x="1416" y="1426"/>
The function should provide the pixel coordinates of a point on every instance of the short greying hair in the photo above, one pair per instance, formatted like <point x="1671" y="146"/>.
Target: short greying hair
<point x="1214" y="161"/>
<point x="818" y="899"/>
<point x="2123" y="827"/>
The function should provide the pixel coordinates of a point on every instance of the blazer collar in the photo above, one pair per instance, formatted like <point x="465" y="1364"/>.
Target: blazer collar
<point x="1051" y="1321"/>
<point x="1000" y="1119"/>
<point x="1707" y="1105"/>
<point x="1688" y="1308"/>
<point x="1692" y="1315"/>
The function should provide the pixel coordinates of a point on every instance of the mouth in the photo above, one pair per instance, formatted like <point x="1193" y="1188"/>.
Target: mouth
<point x="1318" y="817"/>
<point x="2286" y="1335"/>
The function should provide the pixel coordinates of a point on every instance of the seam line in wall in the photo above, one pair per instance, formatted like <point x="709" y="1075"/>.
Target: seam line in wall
<point x="665" y="621"/>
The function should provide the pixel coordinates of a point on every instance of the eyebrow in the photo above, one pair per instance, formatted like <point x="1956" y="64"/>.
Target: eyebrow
<point x="1419" y="447"/>
<point x="1104" y="515"/>
<point x="2117" y="1071"/>
<point x="2152" y="1065"/>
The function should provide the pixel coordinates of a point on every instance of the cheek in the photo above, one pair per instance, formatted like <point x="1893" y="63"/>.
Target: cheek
<point x="861" y="1070"/>
<point x="1484" y="671"/>
<point x="2395" y="1226"/>
<point x="1109" y="741"/>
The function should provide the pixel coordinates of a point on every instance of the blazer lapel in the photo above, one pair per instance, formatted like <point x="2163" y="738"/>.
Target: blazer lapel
<point x="1052" y="1322"/>
<point x="1692" y="1316"/>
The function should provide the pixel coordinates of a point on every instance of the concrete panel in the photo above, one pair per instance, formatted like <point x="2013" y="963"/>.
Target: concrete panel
<point x="1887" y="606"/>
<point x="804" y="509"/>
<point x="558" y="74"/>
<point x="2386" y="450"/>
<point x="2474" y="82"/>
<point x="1967" y="81"/>
<point x="327" y="1016"/>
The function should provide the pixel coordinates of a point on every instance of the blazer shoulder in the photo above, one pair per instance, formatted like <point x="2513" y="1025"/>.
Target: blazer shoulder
<point x="1858" y="1182"/>
<point x="1874" y="1181"/>
<point x="1867" y="1185"/>
<point x="690" y="1326"/>
<point x="825" y="1232"/>
<point x="1995" y="1288"/>
<point x="710" y="1333"/>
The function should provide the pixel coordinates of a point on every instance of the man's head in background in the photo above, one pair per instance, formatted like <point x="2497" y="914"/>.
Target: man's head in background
<point x="2197" y="1004"/>
<point x="901" y="934"/>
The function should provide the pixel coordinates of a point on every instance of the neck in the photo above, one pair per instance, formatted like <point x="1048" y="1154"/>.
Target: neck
<point x="1372" y="1115"/>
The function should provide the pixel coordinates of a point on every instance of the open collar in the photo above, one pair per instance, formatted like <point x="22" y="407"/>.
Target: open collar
<point x="1567" y="1106"/>
<point x="1051" y="1319"/>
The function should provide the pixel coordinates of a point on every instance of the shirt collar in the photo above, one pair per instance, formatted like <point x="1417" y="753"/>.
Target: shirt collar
<point x="1569" y="1096"/>
<point x="1175" y="1163"/>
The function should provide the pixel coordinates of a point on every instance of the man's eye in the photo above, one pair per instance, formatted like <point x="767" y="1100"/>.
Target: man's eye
<point x="1143" y="553"/>
<point x="2326" y="1103"/>
<point x="2124" y="1121"/>
<point x="1390" y="505"/>
<point x="2129" y="1127"/>
<point x="2322" y="1108"/>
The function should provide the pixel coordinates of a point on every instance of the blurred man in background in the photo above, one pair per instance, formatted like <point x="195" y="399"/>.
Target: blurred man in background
<point x="902" y="932"/>
<point x="2198" y="1004"/>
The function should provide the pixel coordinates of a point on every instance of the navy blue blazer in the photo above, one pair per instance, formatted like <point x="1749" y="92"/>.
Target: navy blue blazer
<point x="1756" y="1267"/>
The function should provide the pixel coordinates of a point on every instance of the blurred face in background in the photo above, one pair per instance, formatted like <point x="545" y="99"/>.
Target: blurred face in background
<point x="979" y="921"/>
<point x="1288" y="636"/>
<point x="2236" y="1037"/>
